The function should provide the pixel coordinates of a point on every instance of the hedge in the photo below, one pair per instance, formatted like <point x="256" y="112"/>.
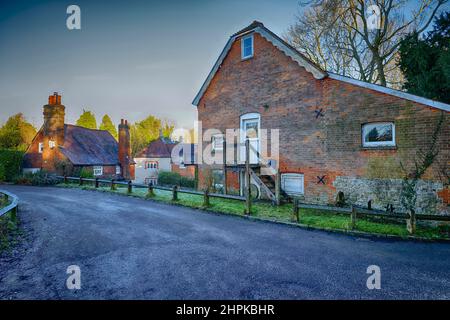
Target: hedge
<point x="174" y="178"/>
<point x="10" y="164"/>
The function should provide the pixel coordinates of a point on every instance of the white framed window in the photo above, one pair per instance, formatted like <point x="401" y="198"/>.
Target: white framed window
<point x="247" y="47"/>
<point x="41" y="147"/>
<point x="151" y="164"/>
<point x="98" y="170"/>
<point x="293" y="183"/>
<point x="118" y="170"/>
<point x="217" y="142"/>
<point x="378" y="134"/>
<point x="153" y="181"/>
<point x="51" y="144"/>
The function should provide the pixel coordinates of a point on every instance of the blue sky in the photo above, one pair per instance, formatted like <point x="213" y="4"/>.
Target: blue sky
<point x="130" y="58"/>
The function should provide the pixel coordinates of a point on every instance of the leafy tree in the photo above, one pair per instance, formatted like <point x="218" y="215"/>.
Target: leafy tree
<point x="108" y="125"/>
<point x="147" y="130"/>
<point x="87" y="120"/>
<point x="426" y="62"/>
<point x="16" y="133"/>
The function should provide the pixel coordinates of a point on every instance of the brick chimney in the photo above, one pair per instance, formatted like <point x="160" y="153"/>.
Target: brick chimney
<point x="126" y="162"/>
<point x="53" y="131"/>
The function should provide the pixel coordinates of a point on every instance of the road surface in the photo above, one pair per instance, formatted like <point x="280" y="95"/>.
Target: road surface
<point x="128" y="248"/>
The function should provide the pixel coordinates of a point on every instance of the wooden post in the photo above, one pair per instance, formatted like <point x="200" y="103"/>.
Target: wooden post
<point x="81" y="181"/>
<point x="96" y="183"/>
<point x="206" y="198"/>
<point x="65" y="179"/>
<point x="113" y="187"/>
<point x="277" y="188"/>
<point x="224" y="153"/>
<point x="175" y="193"/>
<point x="353" y="218"/>
<point x="296" y="211"/>
<point x="248" y="192"/>
<point x="150" y="192"/>
<point x="130" y="187"/>
<point x="196" y="176"/>
<point x="411" y="222"/>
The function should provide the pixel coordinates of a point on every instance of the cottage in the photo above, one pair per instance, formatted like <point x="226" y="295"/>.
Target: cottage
<point x="163" y="154"/>
<point x="336" y="134"/>
<point x="67" y="149"/>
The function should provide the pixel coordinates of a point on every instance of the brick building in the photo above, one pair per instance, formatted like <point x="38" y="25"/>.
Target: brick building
<point x="335" y="133"/>
<point x="67" y="149"/>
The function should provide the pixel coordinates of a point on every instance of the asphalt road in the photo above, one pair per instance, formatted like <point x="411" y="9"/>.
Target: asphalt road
<point x="129" y="248"/>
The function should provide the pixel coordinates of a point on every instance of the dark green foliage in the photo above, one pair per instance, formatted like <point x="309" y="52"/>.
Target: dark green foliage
<point x="83" y="173"/>
<point x="40" y="178"/>
<point x="10" y="162"/>
<point x="425" y="62"/>
<point x="173" y="178"/>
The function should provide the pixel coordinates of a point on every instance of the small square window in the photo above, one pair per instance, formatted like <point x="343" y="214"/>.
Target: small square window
<point x="98" y="170"/>
<point x="247" y="47"/>
<point x="293" y="183"/>
<point x="41" y="147"/>
<point x="378" y="134"/>
<point x="51" y="144"/>
<point x="118" y="170"/>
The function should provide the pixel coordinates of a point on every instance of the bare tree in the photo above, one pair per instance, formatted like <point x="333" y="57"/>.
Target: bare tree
<point x="360" y="38"/>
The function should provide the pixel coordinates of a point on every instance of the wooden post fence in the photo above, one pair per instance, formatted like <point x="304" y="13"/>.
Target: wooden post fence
<point x="96" y="183"/>
<point x="296" y="211"/>
<point x="248" y="190"/>
<point x="65" y="179"/>
<point x="175" y="193"/>
<point x="411" y="222"/>
<point x="113" y="187"/>
<point x="206" y="198"/>
<point x="278" y="188"/>
<point x="130" y="187"/>
<point x="353" y="218"/>
<point x="224" y="153"/>
<point x="81" y="181"/>
<point x="150" y="192"/>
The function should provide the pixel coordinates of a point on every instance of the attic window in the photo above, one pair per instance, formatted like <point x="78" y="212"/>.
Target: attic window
<point x="41" y="147"/>
<point x="51" y="144"/>
<point x="247" y="47"/>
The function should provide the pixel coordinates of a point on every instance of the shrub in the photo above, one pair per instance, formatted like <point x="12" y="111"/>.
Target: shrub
<point x="40" y="178"/>
<point x="10" y="164"/>
<point x="83" y="173"/>
<point x="174" y="178"/>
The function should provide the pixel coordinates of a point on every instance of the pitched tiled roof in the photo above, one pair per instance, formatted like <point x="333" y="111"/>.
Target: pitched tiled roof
<point x="159" y="148"/>
<point x="84" y="146"/>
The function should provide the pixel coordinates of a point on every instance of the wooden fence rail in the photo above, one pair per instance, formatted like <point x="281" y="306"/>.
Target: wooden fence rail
<point x="12" y="204"/>
<point x="131" y="185"/>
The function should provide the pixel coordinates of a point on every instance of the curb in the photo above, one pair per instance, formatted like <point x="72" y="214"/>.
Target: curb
<point x="354" y="233"/>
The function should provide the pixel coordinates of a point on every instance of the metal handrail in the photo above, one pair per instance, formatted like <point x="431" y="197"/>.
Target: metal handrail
<point x="12" y="206"/>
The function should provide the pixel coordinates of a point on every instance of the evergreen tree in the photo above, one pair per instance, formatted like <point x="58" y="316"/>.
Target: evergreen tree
<point x="425" y="62"/>
<point x="87" y="120"/>
<point x="108" y="125"/>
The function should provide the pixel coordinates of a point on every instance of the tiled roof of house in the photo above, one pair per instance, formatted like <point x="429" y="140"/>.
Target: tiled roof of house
<point x="159" y="148"/>
<point x="84" y="146"/>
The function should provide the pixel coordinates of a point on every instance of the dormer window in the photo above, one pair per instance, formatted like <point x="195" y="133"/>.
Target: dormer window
<point x="247" y="47"/>
<point x="51" y="144"/>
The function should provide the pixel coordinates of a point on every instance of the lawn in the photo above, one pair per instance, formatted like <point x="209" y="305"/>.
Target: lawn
<point x="8" y="228"/>
<point x="313" y="218"/>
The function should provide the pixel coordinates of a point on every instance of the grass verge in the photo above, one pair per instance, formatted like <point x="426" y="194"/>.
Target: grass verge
<point x="313" y="218"/>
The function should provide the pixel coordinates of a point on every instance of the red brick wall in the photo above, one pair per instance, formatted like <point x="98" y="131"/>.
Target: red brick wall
<point x="329" y="145"/>
<point x="188" y="171"/>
